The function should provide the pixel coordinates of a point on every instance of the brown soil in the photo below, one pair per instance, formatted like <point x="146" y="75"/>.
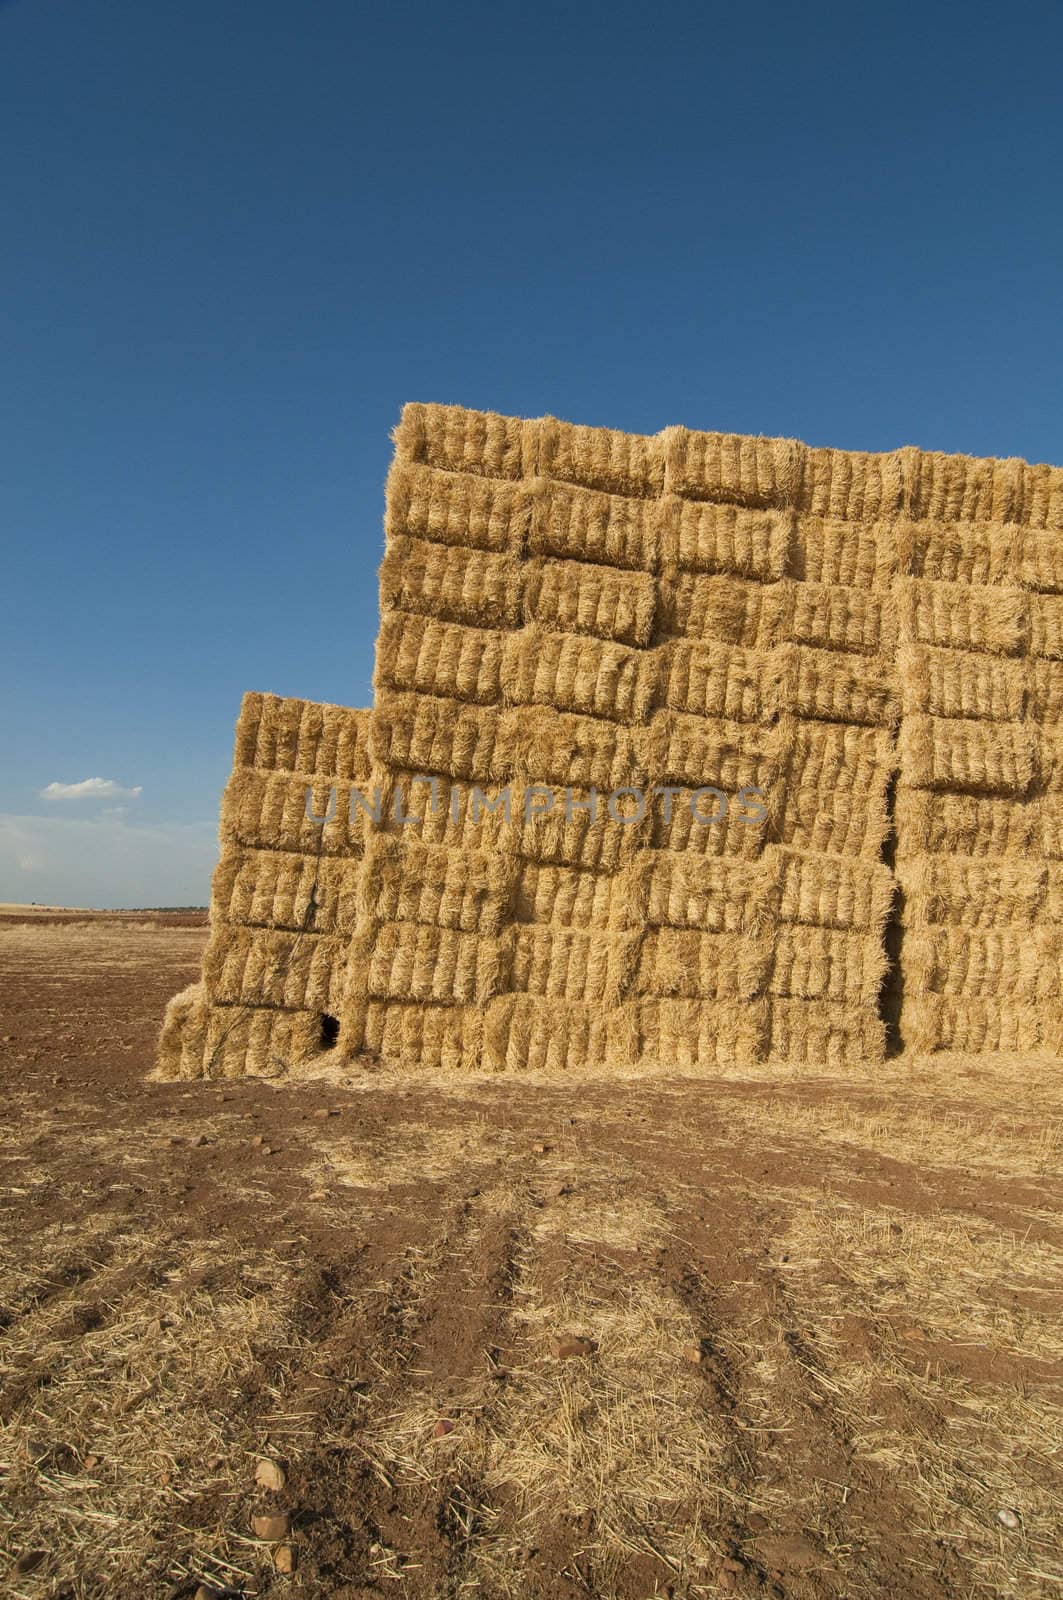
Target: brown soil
<point x="822" y="1316"/>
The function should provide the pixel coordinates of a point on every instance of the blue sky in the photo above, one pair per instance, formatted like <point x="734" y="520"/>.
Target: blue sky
<point x="238" y="237"/>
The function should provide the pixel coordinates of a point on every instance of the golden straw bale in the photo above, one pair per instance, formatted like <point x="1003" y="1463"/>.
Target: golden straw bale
<point x="260" y="1042"/>
<point x="457" y="440"/>
<point x="601" y="458"/>
<point x="985" y="964"/>
<point x="578" y="525"/>
<point x="539" y="744"/>
<point x="835" y="617"/>
<point x="964" y="754"/>
<point x="724" y="609"/>
<point x="967" y="893"/>
<point x="562" y="963"/>
<point x="1046" y="626"/>
<point x="982" y="825"/>
<point x="721" y="680"/>
<point x="451" y="509"/>
<point x="838" y="686"/>
<point x="572" y="897"/>
<point x="703" y="1033"/>
<point x="725" y="466"/>
<point x="694" y="537"/>
<point x="679" y="889"/>
<point x="451" y="583"/>
<point x="430" y="734"/>
<point x="415" y="961"/>
<point x="275" y="811"/>
<point x="279" y="735"/>
<point x="572" y="672"/>
<point x="274" y="967"/>
<point x="1041" y="567"/>
<point x="524" y="1033"/>
<point x="824" y="1033"/>
<point x="184" y="1032"/>
<point x="828" y="552"/>
<point x="282" y="889"/>
<point x="412" y="882"/>
<point x="961" y="683"/>
<point x="961" y="617"/>
<point x="415" y="1035"/>
<point x="931" y="1022"/>
<point x="826" y="891"/>
<point x="691" y="965"/>
<point x="580" y="597"/>
<point x="1044" y="701"/>
<point x="829" y="964"/>
<point x="439" y="658"/>
<point x="963" y="553"/>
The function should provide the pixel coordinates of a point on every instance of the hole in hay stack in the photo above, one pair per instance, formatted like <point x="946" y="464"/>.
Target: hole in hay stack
<point x="891" y="993"/>
<point x="330" y="1030"/>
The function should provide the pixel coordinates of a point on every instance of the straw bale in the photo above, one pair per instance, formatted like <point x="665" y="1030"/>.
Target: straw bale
<point x="961" y="683"/>
<point x="261" y="1041"/>
<point x="964" y="754"/>
<point x="282" y="889"/>
<point x="431" y="734"/>
<point x="451" y="509"/>
<point x="689" y="964"/>
<point x="837" y="686"/>
<point x="601" y="458"/>
<point x="579" y="597"/>
<point x="414" y="882"/>
<point x="1046" y="626"/>
<point x="845" y="553"/>
<point x="1041" y="567"/>
<point x="270" y="811"/>
<point x="721" y="680"/>
<point x="960" y="616"/>
<point x="562" y="963"/>
<point x="931" y="1022"/>
<point x="415" y="1035"/>
<point x="986" y="964"/>
<point x="826" y="891"/>
<point x="275" y="967"/>
<point x="963" y="553"/>
<point x="693" y="538"/>
<point x="825" y="1033"/>
<point x="725" y="609"/>
<point x="981" y="825"/>
<point x="280" y="735"/>
<point x="439" y="658"/>
<point x="836" y="617"/>
<point x="678" y="889"/>
<point x="415" y="961"/>
<point x="574" y="897"/>
<point x="456" y="440"/>
<point x="572" y="672"/>
<point x="184" y="1031"/>
<point x="1045" y="691"/>
<point x="523" y="1033"/>
<point x="451" y="583"/>
<point x="703" y="1033"/>
<point x="577" y="525"/>
<point x="829" y="964"/>
<point x="539" y="744"/>
<point x="969" y="892"/>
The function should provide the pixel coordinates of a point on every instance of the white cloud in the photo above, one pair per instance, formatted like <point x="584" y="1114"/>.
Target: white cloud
<point x="107" y="862"/>
<point x="90" y="789"/>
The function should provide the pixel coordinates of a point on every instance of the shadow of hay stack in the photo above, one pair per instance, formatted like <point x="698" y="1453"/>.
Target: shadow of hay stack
<point x="873" y="644"/>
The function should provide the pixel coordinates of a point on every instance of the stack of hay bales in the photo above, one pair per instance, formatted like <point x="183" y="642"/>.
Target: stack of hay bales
<point x="284" y="896"/>
<point x="979" y="800"/>
<point x="570" y="612"/>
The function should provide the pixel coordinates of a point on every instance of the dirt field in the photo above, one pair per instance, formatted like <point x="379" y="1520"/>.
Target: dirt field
<point x="824" y="1349"/>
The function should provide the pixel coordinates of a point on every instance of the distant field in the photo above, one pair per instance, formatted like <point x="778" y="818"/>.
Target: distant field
<point x="822" y="1314"/>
